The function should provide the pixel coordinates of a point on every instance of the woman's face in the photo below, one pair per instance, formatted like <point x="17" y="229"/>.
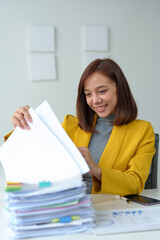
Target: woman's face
<point x="101" y="94"/>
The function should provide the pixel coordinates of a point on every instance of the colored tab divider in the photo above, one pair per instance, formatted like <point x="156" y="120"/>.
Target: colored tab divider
<point x="45" y="184"/>
<point x="13" y="186"/>
<point x="65" y="219"/>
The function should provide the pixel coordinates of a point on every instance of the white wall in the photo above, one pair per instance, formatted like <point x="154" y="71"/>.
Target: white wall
<point x="134" y="43"/>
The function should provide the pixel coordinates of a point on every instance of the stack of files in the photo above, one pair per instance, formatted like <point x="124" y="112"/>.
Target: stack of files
<point x="34" y="213"/>
<point x="45" y="193"/>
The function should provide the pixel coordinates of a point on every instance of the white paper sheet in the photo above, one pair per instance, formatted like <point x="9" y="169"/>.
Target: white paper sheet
<point x="36" y="155"/>
<point x="127" y="220"/>
<point x="46" y="114"/>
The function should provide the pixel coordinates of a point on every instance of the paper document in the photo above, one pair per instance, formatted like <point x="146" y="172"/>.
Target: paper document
<point x="127" y="220"/>
<point x="46" y="114"/>
<point x="38" y="155"/>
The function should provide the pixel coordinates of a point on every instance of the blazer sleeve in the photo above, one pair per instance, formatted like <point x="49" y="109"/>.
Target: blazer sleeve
<point x="7" y="135"/>
<point x="132" y="179"/>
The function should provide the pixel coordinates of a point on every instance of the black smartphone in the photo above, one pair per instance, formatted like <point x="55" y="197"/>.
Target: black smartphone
<point x="142" y="199"/>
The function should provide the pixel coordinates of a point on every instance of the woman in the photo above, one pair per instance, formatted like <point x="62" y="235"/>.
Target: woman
<point x="117" y="148"/>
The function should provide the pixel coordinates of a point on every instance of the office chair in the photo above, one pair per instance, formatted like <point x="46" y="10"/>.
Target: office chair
<point x="152" y="178"/>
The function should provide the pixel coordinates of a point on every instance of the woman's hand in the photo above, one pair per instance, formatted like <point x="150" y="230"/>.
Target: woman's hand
<point x="95" y="170"/>
<point x="20" y="116"/>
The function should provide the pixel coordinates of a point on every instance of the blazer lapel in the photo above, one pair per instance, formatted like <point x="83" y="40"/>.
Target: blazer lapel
<point x="82" y="138"/>
<point x="113" y="146"/>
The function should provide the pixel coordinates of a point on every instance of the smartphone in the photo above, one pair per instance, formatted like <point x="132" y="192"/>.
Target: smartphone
<point x="142" y="199"/>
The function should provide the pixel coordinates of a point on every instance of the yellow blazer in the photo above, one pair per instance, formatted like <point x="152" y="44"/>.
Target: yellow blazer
<point x="126" y="159"/>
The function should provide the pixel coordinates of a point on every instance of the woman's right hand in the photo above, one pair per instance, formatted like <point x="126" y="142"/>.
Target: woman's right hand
<point x="20" y="116"/>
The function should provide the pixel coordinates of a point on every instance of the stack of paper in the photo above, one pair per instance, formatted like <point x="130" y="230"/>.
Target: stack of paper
<point x="45" y="192"/>
<point x="34" y="213"/>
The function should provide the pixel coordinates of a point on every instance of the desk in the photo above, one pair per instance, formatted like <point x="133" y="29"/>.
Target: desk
<point x="100" y="202"/>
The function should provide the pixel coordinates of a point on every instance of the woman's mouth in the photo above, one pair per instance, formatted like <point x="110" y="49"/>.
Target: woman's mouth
<point x="101" y="108"/>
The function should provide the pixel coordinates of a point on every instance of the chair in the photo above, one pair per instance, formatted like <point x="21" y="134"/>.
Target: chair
<point x="152" y="178"/>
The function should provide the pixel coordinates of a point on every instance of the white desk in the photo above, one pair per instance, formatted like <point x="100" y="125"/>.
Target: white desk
<point x="100" y="202"/>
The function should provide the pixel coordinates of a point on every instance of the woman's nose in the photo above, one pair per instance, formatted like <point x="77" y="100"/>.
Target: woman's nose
<point x="96" y="99"/>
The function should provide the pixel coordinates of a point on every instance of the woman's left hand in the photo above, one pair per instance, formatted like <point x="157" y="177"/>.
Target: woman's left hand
<point x="95" y="170"/>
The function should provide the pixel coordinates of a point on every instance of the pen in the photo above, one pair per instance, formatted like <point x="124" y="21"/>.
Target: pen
<point x="126" y="200"/>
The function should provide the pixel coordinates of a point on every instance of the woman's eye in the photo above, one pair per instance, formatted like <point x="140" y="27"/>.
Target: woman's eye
<point x="103" y="91"/>
<point x="87" y="94"/>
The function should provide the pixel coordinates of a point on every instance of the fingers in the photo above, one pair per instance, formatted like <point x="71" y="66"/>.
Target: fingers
<point x="84" y="151"/>
<point x="86" y="154"/>
<point x="95" y="170"/>
<point x="20" y="116"/>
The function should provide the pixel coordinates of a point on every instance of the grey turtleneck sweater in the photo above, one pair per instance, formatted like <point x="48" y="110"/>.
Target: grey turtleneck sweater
<point x="97" y="144"/>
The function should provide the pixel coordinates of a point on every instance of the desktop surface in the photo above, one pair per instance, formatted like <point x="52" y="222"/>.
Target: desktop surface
<point x="100" y="202"/>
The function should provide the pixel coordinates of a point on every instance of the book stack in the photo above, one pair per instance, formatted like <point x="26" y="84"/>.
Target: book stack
<point x="45" y="194"/>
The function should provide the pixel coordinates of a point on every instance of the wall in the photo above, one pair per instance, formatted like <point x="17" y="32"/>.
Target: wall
<point x="134" y="38"/>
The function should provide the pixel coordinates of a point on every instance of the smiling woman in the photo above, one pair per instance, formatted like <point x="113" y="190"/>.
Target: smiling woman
<point x="107" y="74"/>
<point x="100" y="94"/>
<point x="117" y="147"/>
